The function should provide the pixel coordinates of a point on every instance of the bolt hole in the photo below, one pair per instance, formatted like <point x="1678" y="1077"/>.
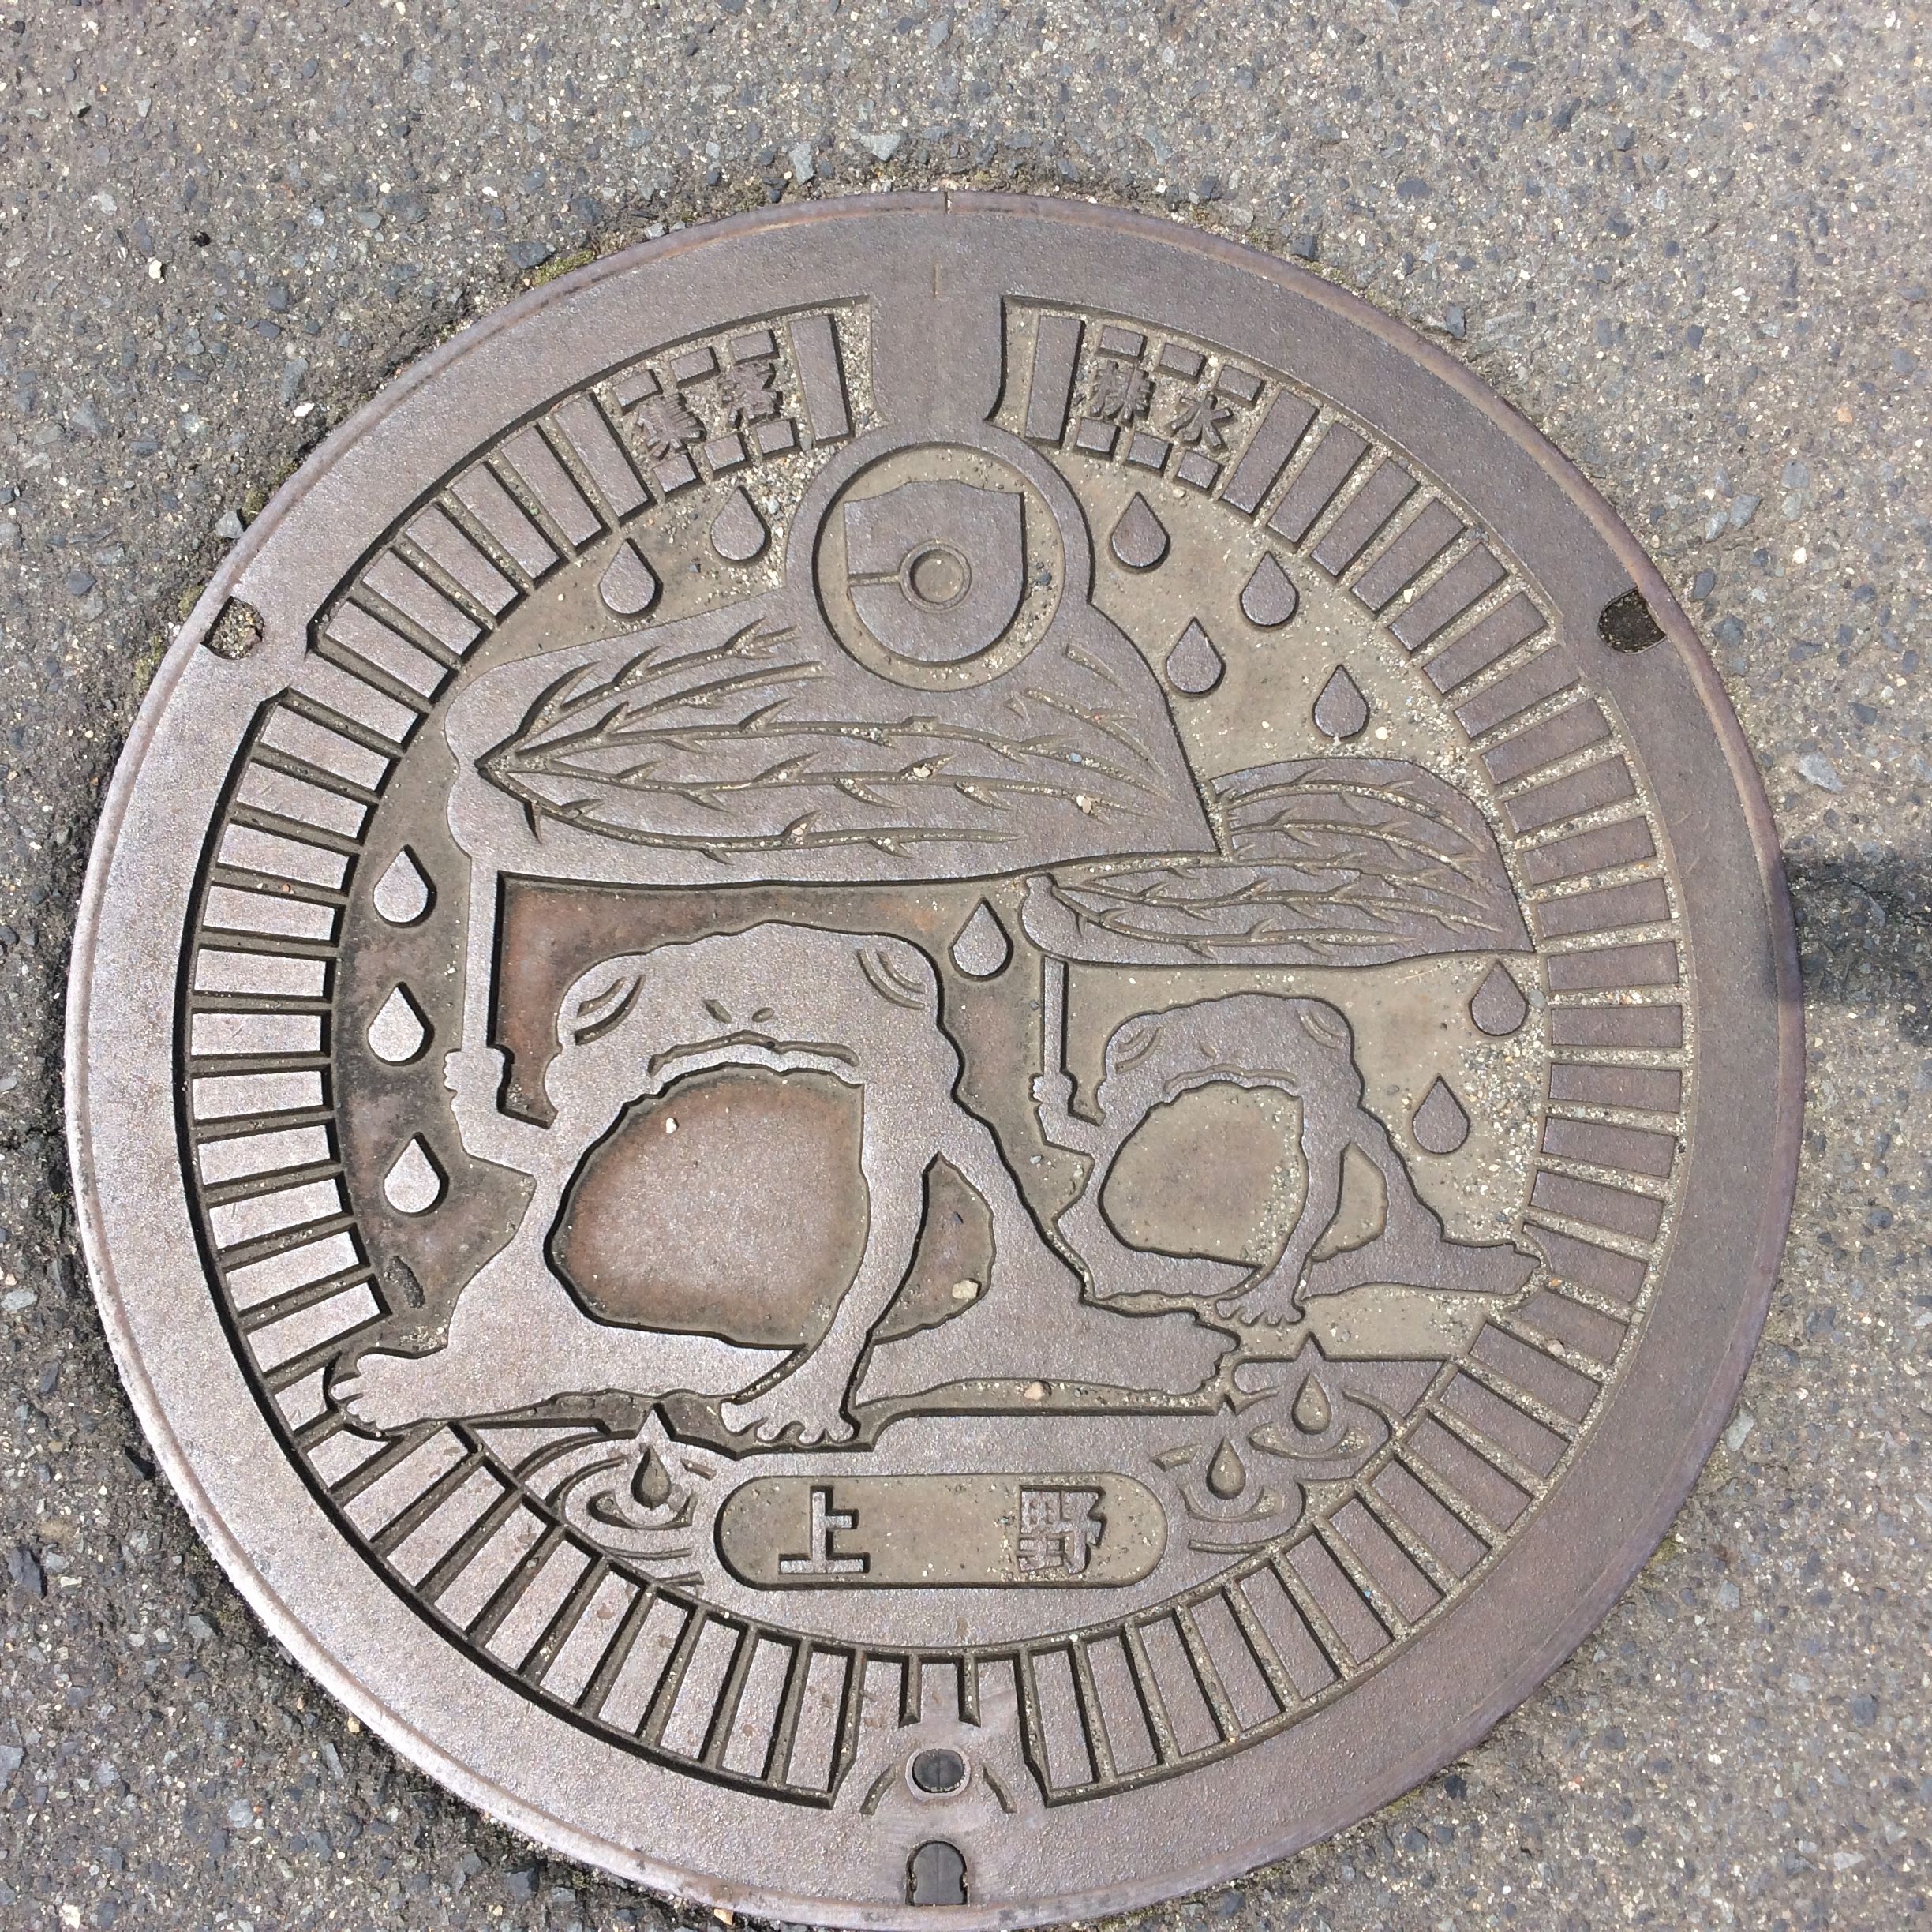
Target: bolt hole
<point x="937" y="576"/>
<point x="936" y="1875"/>
<point x="1627" y="622"/>
<point x="236" y="631"/>
<point x="938" y="1772"/>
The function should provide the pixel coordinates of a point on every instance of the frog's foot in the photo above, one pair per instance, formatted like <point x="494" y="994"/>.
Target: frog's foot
<point x="387" y="1393"/>
<point x="810" y="1401"/>
<point x="1269" y="1302"/>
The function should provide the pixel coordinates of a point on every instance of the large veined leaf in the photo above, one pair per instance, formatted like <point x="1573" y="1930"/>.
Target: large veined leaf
<point x="757" y="744"/>
<point x="1326" y="862"/>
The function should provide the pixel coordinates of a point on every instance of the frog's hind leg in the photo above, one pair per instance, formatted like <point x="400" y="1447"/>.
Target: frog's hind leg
<point x="518" y="1339"/>
<point x="1272" y="1294"/>
<point x="1413" y="1249"/>
<point x="812" y="1397"/>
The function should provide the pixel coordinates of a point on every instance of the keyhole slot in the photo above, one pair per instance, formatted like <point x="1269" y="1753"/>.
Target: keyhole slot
<point x="936" y="1875"/>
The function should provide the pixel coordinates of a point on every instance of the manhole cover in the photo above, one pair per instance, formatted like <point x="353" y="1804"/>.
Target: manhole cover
<point x="908" y="1057"/>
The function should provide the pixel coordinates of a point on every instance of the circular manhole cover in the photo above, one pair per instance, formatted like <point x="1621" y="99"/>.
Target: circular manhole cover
<point x="906" y="1056"/>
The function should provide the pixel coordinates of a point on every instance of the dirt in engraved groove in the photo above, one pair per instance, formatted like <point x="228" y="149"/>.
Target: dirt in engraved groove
<point x="935" y="1050"/>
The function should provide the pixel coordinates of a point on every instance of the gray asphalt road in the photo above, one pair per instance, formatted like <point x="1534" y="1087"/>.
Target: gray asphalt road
<point x="1689" y="242"/>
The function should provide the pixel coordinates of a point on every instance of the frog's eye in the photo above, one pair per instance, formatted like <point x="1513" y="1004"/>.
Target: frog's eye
<point x="599" y="1002"/>
<point x="1134" y="1042"/>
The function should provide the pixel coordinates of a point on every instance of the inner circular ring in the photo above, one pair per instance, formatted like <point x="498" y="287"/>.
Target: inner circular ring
<point x="935" y="576"/>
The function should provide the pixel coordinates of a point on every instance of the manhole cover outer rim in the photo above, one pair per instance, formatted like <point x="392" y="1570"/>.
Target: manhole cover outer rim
<point x="1750" y="1283"/>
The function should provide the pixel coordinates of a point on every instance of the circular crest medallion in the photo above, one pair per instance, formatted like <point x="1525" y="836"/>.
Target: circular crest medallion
<point x="906" y="1061"/>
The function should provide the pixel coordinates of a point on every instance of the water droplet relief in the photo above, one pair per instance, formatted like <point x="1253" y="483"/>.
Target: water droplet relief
<point x="1341" y="710"/>
<point x="1498" y="1006"/>
<point x="1312" y="1413"/>
<point x="403" y="894"/>
<point x="629" y="585"/>
<point x="1140" y="538"/>
<point x="738" y="532"/>
<point x="1269" y="598"/>
<point x="651" y="1484"/>
<point x="1194" y="666"/>
<point x="414" y="1183"/>
<point x="399" y="1031"/>
<point x="982" y="947"/>
<point x="1227" y="1475"/>
<point x="1441" y="1124"/>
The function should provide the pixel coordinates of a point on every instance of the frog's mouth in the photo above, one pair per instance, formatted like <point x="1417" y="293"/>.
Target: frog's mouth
<point x="757" y="1049"/>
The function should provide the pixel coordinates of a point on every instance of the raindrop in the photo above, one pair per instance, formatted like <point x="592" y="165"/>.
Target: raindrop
<point x="738" y="532"/>
<point x="1140" y="538"/>
<point x="1311" y="1414"/>
<point x="1269" y="598"/>
<point x="1194" y="666"/>
<point x="402" y="894"/>
<point x="982" y="947"/>
<point x="1341" y="710"/>
<point x="414" y="1184"/>
<point x="398" y="1032"/>
<point x="1227" y="1477"/>
<point x="1440" y="1126"/>
<point x="1499" y="1007"/>
<point x="629" y="585"/>
<point x="651" y="1485"/>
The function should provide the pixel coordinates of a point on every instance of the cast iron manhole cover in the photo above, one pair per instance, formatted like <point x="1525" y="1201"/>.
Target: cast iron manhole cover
<point x="934" y="1053"/>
